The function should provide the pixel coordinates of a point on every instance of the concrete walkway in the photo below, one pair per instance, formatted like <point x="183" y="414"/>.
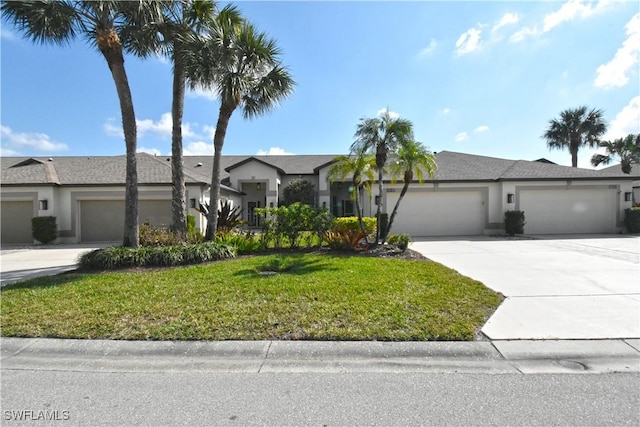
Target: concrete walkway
<point x="26" y="262"/>
<point x="557" y="287"/>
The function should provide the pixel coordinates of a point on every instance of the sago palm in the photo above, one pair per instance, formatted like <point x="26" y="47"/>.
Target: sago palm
<point x="242" y="66"/>
<point x="359" y="167"/>
<point x="574" y="129"/>
<point x="413" y="161"/>
<point x="101" y="23"/>
<point x="627" y="149"/>
<point x="381" y="135"/>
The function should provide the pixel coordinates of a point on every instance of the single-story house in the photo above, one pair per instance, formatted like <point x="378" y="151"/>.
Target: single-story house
<point x="468" y="195"/>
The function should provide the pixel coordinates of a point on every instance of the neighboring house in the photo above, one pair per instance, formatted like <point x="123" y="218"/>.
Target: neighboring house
<point x="468" y="195"/>
<point x="635" y="174"/>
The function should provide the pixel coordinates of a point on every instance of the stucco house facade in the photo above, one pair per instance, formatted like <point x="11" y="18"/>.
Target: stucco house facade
<point x="468" y="195"/>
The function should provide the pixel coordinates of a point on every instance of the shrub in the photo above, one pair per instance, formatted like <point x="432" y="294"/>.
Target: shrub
<point x="344" y="240"/>
<point x="123" y="257"/>
<point x="290" y="223"/>
<point x="299" y="191"/>
<point x="514" y="222"/>
<point x="351" y="223"/>
<point x="243" y="243"/>
<point x="44" y="229"/>
<point x="632" y="219"/>
<point x="151" y="236"/>
<point x="400" y="240"/>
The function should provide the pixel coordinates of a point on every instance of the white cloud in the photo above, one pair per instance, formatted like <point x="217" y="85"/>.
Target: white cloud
<point x="507" y="19"/>
<point x="615" y="72"/>
<point x="482" y="128"/>
<point x="209" y="130"/>
<point x="468" y="42"/>
<point x="462" y="136"/>
<point x="274" y="151"/>
<point x="446" y="110"/>
<point x="8" y="152"/>
<point x="15" y="142"/>
<point x="392" y="114"/>
<point x="153" y="151"/>
<point x="569" y="11"/>
<point x="433" y="44"/>
<point x="626" y="121"/>
<point x="7" y="35"/>
<point x="162" y="127"/>
<point x="198" y="148"/>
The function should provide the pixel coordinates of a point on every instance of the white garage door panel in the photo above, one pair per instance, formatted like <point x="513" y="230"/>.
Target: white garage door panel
<point x="567" y="211"/>
<point x="103" y="220"/>
<point x="16" y="222"/>
<point x="445" y="213"/>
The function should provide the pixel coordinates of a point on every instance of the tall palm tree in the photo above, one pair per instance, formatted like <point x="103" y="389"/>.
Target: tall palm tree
<point x="100" y="22"/>
<point x="242" y="66"/>
<point x="359" y="166"/>
<point x="574" y="129"/>
<point x="167" y="30"/>
<point x="627" y="149"/>
<point x="381" y="136"/>
<point x="413" y="161"/>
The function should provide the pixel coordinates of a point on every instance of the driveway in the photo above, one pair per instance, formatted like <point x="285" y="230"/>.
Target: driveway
<point x="25" y="262"/>
<point x="557" y="287"/>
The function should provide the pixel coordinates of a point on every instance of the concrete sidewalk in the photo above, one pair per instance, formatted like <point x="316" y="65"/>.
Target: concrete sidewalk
<point x="527" y="357"/>
<point x="26" y="262"/>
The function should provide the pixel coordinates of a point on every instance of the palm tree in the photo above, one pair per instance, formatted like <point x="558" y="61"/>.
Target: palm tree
<point x="576" y="128"/>
<point x="381" y="136"/>
<point x="100" y="22"/>
<point x="627" y="148"/>
<point x="413" y="160"/>
<point x="242" y="66"/>
<point x="167" y="30"/>
<point x="359" y="166"/>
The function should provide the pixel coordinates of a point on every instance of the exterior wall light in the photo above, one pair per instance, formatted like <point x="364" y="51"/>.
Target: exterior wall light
<point x="258" y="186"/>
<point x="510" y="198"/>
<point x="44" y="205"/>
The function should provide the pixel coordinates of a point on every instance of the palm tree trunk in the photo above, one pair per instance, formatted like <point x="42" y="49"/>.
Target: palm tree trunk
<point x="111" y="49"/>
<point x="178" y="190"/>
<point x="218" y="142"/>
<point x="359" y="211"/>
<point x="379" y="206"/>
<point x="405" y="187"/>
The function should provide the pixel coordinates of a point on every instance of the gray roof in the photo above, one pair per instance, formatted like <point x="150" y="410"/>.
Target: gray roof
<point x="110" y="170"/>
<point x="635" y="170"/>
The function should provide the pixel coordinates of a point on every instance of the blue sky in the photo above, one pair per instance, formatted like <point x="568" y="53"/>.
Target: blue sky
<point x="474" y="77"/>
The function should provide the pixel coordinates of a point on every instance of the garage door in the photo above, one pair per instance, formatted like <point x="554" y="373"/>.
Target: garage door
<point x="103" y="220"/>
<point x="16" y="222"/>
<point x="443" y="213"/>
<point x="569" y="211"/>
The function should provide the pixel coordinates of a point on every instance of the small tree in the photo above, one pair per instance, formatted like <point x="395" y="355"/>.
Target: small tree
<point x="44" y="229"/>
<point x="627" y="148"/>
<point x="300" y="191"/>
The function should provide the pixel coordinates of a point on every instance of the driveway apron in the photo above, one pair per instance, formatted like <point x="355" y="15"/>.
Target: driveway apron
<point x="556" y="287"/>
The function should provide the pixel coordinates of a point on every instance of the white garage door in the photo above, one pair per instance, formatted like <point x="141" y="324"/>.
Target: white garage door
<point x="442" y="213"/>
<point x="103" y="220"/>
<point x="16" y="222"/>
<point x="569" y="211"/>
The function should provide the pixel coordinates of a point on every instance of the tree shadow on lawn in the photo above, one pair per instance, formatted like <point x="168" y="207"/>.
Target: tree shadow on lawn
<point x="43" y="282"/>
<point x="297" y="265"/>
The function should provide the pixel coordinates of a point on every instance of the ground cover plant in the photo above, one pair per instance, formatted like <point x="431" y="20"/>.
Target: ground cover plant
<point x="277" y="296"/>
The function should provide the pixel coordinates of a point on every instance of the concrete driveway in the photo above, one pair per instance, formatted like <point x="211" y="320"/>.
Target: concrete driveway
<point x="25" y="262"/>
<point x="557" y="287"/>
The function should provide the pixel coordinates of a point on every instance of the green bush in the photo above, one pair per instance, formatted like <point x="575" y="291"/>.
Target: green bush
<point x="289" y="224"/>
<point x="344" y="240"/>
<point x="514" y="222"/>
<point x="632" y="220"/>
<point x="44" y="229"/>
<point x="400" y="240"/>
<point x="243" y="243"/>
<point x="351" y="223"/>
<point x="159" y="256"/>
<point x="299" y="191"/>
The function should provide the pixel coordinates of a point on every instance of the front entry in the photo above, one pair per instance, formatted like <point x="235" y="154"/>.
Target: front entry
<point x="252" y="217"/>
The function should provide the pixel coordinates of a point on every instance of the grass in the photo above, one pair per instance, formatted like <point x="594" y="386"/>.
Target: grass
<point x="312" y="297"/>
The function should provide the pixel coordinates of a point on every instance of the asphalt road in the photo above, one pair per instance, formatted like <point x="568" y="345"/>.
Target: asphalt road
<point x="209" y="398"/>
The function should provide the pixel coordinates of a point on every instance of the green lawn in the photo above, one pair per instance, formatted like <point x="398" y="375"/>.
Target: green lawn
<point x="314" y="297"/>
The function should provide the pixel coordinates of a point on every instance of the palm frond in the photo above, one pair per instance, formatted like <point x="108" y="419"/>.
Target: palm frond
<point x="43" y="22"/>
